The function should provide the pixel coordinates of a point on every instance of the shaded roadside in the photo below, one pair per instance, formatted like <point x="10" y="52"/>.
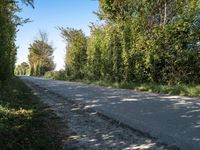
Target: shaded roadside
<point x="25" y="122"/>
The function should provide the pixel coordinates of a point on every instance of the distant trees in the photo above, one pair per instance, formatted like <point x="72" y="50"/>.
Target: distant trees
<point x="145" y="41"/>
<point x="8" y="23"/>
<point x="22" y="69"/>
<point x="41" y="56"/>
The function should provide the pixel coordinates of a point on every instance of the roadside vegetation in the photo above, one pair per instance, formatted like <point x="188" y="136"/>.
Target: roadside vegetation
<point x="41" y="55"/>
<point x="176" y="89"/>
<point x="22" y="69"/>
<point x="143" y="45"/>
<point x="9" y="21"/>
<point x="181" y="89"/>
<point x="56" y="75"/>
<point x="140" y="41"/>
<point x="25" y="123"/>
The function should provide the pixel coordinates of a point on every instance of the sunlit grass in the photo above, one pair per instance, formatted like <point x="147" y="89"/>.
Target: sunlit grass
<point x="5" y="111"/>
<point x="181" y="89"/>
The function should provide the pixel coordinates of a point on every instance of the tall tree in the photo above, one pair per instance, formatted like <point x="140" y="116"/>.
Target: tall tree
<point x="8" y="28"/>
<point x="76" y="57"/>
<point x="94" y="53"/>
<point x="41" y="56"/>
<point x="112" y="10"/>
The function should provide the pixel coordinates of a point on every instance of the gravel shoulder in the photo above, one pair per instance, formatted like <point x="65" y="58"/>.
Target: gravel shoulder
<point x="170" y="119"/>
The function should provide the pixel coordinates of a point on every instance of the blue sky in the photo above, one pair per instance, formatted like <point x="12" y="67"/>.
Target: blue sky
<point x="47" y="15"/>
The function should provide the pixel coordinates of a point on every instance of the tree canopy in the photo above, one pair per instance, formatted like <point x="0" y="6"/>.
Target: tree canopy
<point x="75" y="52"/>
<point x="22" y="69"/>
<point x="8" y="28"/>
<point x="143" y="41"/>
<point x="41" y="56"/>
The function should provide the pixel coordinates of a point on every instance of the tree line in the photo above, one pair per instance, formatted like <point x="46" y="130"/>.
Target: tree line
<point x="8" y="28"/>
<point x="145" y="41"/>
<point x="138" y="41"/>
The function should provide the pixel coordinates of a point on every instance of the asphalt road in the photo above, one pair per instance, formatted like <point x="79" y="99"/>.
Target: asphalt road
<point x="174" y="120"/>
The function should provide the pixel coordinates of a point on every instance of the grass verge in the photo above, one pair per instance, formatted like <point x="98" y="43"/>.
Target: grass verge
<point x="181" y="89"/>
<point x="26" y="123"/>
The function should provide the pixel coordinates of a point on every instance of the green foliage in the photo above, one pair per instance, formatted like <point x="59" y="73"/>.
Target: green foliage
<point x="113" y="10"/>
<point x="94" y="54"/>
<point x="140" y="41"/>
<point x="40" y="56"/>
<point x="25" y="123"/>
<point x="75" y="52"/>
<point x="7" y="39"/>
<point x="158" y="42"/>
<point x="56" y="75"/>
<point x="22" y="69"/>
<point x="8" y="24"/>
<point x="180" y="89"/>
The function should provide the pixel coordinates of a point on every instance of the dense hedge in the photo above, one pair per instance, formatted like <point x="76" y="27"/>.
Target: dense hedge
<point x="8" y="24"/>
<point x="154" y="41"/>
<point x="7" y="39"/>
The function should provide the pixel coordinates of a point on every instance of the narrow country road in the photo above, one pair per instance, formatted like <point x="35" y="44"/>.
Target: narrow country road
<point x="173" y="120"/>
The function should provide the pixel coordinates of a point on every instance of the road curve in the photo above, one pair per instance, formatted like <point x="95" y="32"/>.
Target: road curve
<point x="174" y="120"/>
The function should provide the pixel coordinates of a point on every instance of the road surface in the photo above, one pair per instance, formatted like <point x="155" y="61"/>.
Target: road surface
<point x="173" y="120"/>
